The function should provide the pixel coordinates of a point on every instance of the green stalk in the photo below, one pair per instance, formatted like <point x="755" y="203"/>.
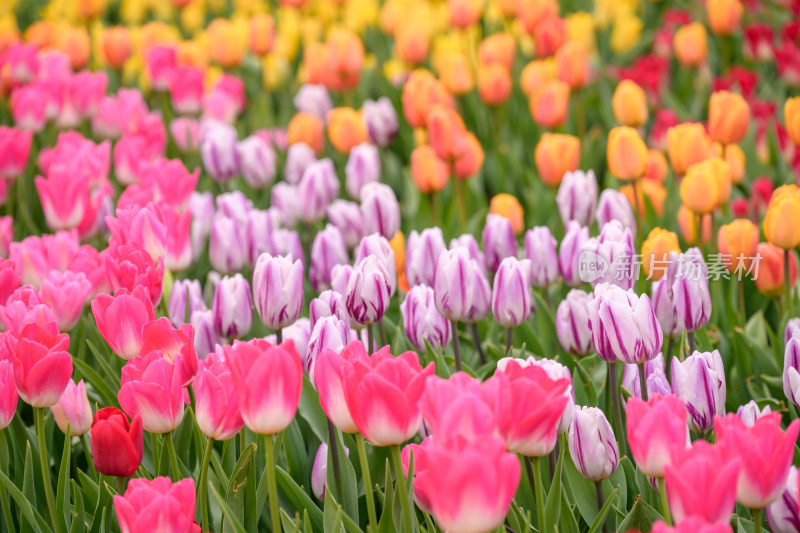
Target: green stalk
<point x="362" y="457"/>
<point x="44" y="460"/>
<point x="544" y="527"/>
<point x="612" y="390"/>
<point x="202" y="499"/>
<point x="456" y="347"/>
<point x="272" y="487"/>
<point x="662" y="492"/>
<point x="4" y="496"/>
<point x="757" y="520"/>
<point x="173" y="457"/>
<point x="408" y="524"/>
<point x="461" y="202"/>
<point x="787" y="283"/>
<point x="643" y="381"/>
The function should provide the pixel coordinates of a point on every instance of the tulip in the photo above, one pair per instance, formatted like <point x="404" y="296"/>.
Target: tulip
<point x="656" y="381"/>
<point x="232" y="307"/>
<point x="117" y="445"/>
<point x="73" y="410"/>
<point x="577" y="197"/>
<point x="498" y="240"/>
<point x="298" y="158"/>
<point x="629" y="104"/>
<point x="699" y="381"/>
<point x="739" y="242"/>
<point x="783" y="213"/>
<point x="461" y="290"/>
<point x="319" y="472"/>
<point x="205" y="338"/>
<point x="152" y="388"/>
<point x="724" y="15"/>
<point x="160" y="501"/>
<point x="422" y="253"/>
<point x="728" y="116"/>
<point x="592" y="444"/>
<point x="363" y="166"/>
<point x="14" y="154"/>
<point x="750" y="412"/>
<point x="346" y="129"/>
<point x="535" y="74"/>
<point x="765" y="452"/>
<point x="783" y="515"/>
<point x="690" y="44"/>
<point x="508" y="207"/>
<point x="380" y="118"/>
<point x="656" y="166"/>
<point x="218" y="150"/>
<point x="549" y="103"/>
<point x="328" y="250"/>
<point x="120" y="319"/>
<point x="572" y="65"/>
<point x="318" y="186"/>
<point x="217" y="411"/>
<point x="614" y="252"/>
<point x="314" y="100"/>
<point x="257" y="161"/>
<point x="699" y="189"/>
<point x="170" y="343"/>
<point x="791" y="369"/>
<point x="540" y="250"/>
<point x="701" y="482"/>
<point x="9" y="397"/>
<point x="555" y="155"/>
<point x="65" y="294"/>
<point x="692" y="524"/>
<point x="455" y="408"/>
<point x="511" y="293"/>
<point x="328" y="303"/>
<point x="613" y="205"/>
<point x="692" y="297"/>
<point x="368" y="291"/>
<point x="555" y="371"/>
<point x="185" y="298"/>
<point x="769" y="271"/>
<point x="473" y="249"/>
<point x="42" y="365"/>
<point x="378" y="246"/>
<point x="494" y="84"/>
<point x="687" y="144"/>
<point x="656" y="252"/>
<point x="308" y="129"/>
<point x="656" y="431"/>
<point x="429" y="173"/>
<point x="330" y="370"/>
<point x="347" y="217"/>
<point x="422" y="322"/>
<point x="791" y="117"/>
<point x="261" y="30"/>
<point x="381" y="210"/>
<point x="569" y="253"/>
<point x="572" y="323"/>
<point x="116" y="45"/>
<point x="626" y="153"/>
<point x="278" y="290"/>
<point x="498" y="48"/>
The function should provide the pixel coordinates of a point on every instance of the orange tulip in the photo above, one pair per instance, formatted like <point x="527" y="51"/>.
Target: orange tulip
<point x="572" y="64"/>
<point x="791" y="117"/>
<point x="89" y="9"/>
<point x="626" y="153"/>
<point x="498" y="48"/>
<point x="471" y="159"/>
<point x="422" y="92"/>
<point x="306" y="128"/>
<point x="549" y="103"/>
<point x="41" y="33"/>
<point x="549" y="35"/>
<point x="346" y="129"/>
<point x="429" y="172"/>
<point x="735" y="158"/>
<point x="728" y="117"/>
<point x="687" y="144"/>
<point x="690" y="44"/>
<point x="654" y="191"/>
<point x="656" y="166"/>
<point x="700" y="189"/>
<point x="446" y="132"/>
<point x="532" y="12"/>
<point x="346" y="56"/>
<point x="411" y="43"/>
<point x="687" y="223"/>
<point x="724" y="15"/>
<point x="74" y="41"/>
<point x="655" y="252"/>
<point x="629" y="104"/>
<point x="769" y="273"/>
<point x="398" y="245"/>
<point x="116" y="43"/>
<point x="555" y="155"/>
<point x="535" y="74"/>
<point x="722" y="174"/>
<point x="738" y="242"/>
<point x="782" y="221"/>
<point x="464" y="13"/>
<point x="455" y="74"/>
<point x="509" y="207"/>
<point x="494" y="84"/>
<point x="262" y="34"/>
<point x="509" y="8"/>
<point x="226" y="44"/>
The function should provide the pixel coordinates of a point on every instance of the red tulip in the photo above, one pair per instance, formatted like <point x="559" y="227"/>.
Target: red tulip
<point x="657" y="429"/>
<point x="218" y="413"/>
<point x="159" y="335"/>
<point x="117" y="444"/>
<point x="269" y="380"/>
<point x="120" y="319"/>
<point x="152" y="388"/>
<point x="42" y="365"/>
<point x="157" y="505"/>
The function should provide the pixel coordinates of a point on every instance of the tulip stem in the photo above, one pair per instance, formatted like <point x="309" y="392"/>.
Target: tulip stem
<point x="476" y="340"/>
<point x="272" y="486"/>
<point x="787" y="283"/>
<point x="662" y="492"/>
<point x="370" y="339"/>
<point x="382" y="333"/>
<point x="668" y="355"/>
<point x="612" y="390"/>
<point x="756" y="520"/>
<point x="456" y="347"/>
<point x="601" y="500"/>
<point x="458" y="185"/>
<point x="742" y="308"/>
<point x="173" y="457"/>
<point x="202" y="498"/>
<point x="509" y="340"/>
<point x="643" y="381"/>
<point x="333" y="446"/>
<point x="155" y="446"/>
<point x="120" y="485"/>
<point x="690" y="340"/>
<point x="635" y="187"/>
<point x="279" y="335"/>
<point x="44" y="459"/>
<point x="362" y="457"/>
<point x="535" y="475"/>
<point x="401" y="488"/>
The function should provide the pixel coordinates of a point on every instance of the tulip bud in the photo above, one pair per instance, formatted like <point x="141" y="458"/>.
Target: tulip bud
<point x="329" y="333"/>
<point x="314" y="100"/>
<point x="629" y="104"/>
<point x="429" y="172"/>
<point x="319" y="472"/>
<point x="572" y="323"/>
<point x="656" y="251"/>
<point x="473" y="249"/>
<point x="783" y="216"/>
<point x="205" y="337"/>
<point x="555" y="155"/>
<point x="626" y="153"/>
<point x="750" y="412"/>
<point x="614" y="248"/>
<point x="328" y="249"/>
<point x="152" y="387"/>
<point x="381" y="210"/>
<point x="508" y="206"/>
<point x="422" y="322"/>
<point x="687" y="144"/>
<point x="9" y="397"/>
<point x="656" y="380"/>
<point x="728" y="117"/>
<point x="471" y="159"/>
<point x="257" y="161"/>
<point x="117" y="444"/>
<point x="572" y="64"/>
<point x="318" y="187"/>
<point x="227" y="247"/>
<point x="232" y="307"/>
<point x="494" y="84"/>
<point x="699" y="381"/>
<point x="299" y="157"/>
<point x="348" y="218"/>
<point x="699" y="189"/>
<point x="380" y="118"/>
<point x="73" y="408"/>
<point x="692" y="298"/>
<point x="218" y="150"/>
<point x="540" y="250"/>
<point x="498" y="240"/>
<point x="40" y="350"/>
<point x="724" y="15"/>
<point x="511" y="294"/>
<point x="328" y="303"/>
<point x="308" y="129"/>
<point x="278" y="290"/>
<point x="690" y="44"/>
<point x="791" y="117"/>
<point x="577" y="197"/>
<point x="549" y="103"/>
<point x="461" y="290"/>
<point x="65" y="293"/>
<point x="368" y="291"/>
<point x="346" y="129"/>
<point x="379" y="247"/>
<point x="569" y="253"/>
<point x="422" y="252"/>
<point x="739" y="242"/>
<point x="185" y="298"/>
<point x="770" y="277"/>
<point x="592" y="444"/>
<point x="363" y="166"/>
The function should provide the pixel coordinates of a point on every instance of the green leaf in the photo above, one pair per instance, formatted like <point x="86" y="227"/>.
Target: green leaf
<point x="582" y="491"/>
<point x="641" y="517"/>
<point x="348" y="522"/>
<point x="600" y="519"/>
<point x="386" y="521"/>
<point x="28" y="511"/>
<point x="298" y="497"/>
<point x="349" y="481"/>
<point x="233" y="521"/>
<point x="332" y="516"/>
<point x="311" y="411"/>
<point x="552" y="508"/>
<point x="91" y="376"/>
<point x="78" y="511"/>
<point x="102" y="360"/>
<point x="287" y="523"/>
<point x="62" y="491"/>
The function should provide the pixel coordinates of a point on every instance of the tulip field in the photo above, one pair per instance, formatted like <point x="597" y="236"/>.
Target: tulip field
<point x="414" y="266"/>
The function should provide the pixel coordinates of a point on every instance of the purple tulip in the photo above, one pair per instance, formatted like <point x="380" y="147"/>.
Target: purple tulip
<point x="299" y="157"/>
<point x="662" y="298"/>
<point x="285" y="198"/>
<point x="592" y="444"/>
<point x="540" y="250"/>
<point x="368" y="291"/>
<point x="185" y="298"/>
<point x="655" y="378"/>
<point x="577" y="197"/>
<point x="218" y="150"/>
<point x="202" y="207"/>
<point x="422" y="252"/>
<point x="422" y="322"/>
<point x="791" y="326"/>
<point x="471" y="244"/>
<point x="347" y="217"/>
<point x="381" y="210"/>
<point x="363" y="166"/>
<point x="260" y="230"/>
<point x="299" y="333"/>
<point x="381" y="120"/>
<point x="327" y="250"/>
<point x="699" y="381"/>
<point x="572" y="323"/>
<point x="614" y="205"/>
<point x="511" y="294"/>
<point x="791" y="370"/>
<point x="314" y="100"/>
<point x="783" y="515"/>
<point x="378" y="246"/>
<point x="461" y="291"/>
<point x="750" y="412"/>
<point x="232" y="307"/>
<point x="205" y="338"/>
<point x="234" y="205"/>
<point x="318" y="187"/>
<point x="691" y="295"/>
<point x="278" y="290"/>
<point x="569" y="253"/>
<point x="257" y="161"/>
<point x="499" y="241"/>
<point x="615" y="252"/>
<point x="287" y="242"/>
<point x="340" y="277"/>
<point x="319" y="472"/>
<point x="328" y="303"/>
<point x="227" y="248"/>
<point x="624" y="325"/>
<point x="329" y="332"/>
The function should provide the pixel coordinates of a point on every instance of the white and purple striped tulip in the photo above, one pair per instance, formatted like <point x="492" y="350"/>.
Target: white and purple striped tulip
<point x="227" y="247"/>
<point x="792" y="326"/>
<point x="577" y="197"/>
<point x="655" y="379"/>
<point x="185" y="298"/>
<point x="540" y="250"/>
<point x="314" y="100"/>
<point x="218" y="150"/>
<point x="380" y="208"/>
<point x="613" y="205"/>
<point x="319" y="472"/>
<point x="461" y="292"/>
<point x="203" y="209"/>
<point x="572" y="323"/>
<point x="750" y="412"/>
<point x="783" y="515"/>
<point x="257" y="161"/>
<point x="422" y="252"/>
<point x="569" y="253"/>
<point x="422" y="322"/>
<point x="368" y="291"/>
<point x="235" y="205"/>
<point x="347" y="216"/>
<point x="260" y="229"/>
<point x="615" y="250"/>
<point x="278" y="290"/>
<point x="471" y="244"/>
<point x="691" y="294"/>
<point x="327" y="251"/>
<point x="285" y="198"/>
<point x="699" y="381"/>
<point x="232" y="307"/>
<point x="499" y="241"/>
<point x="377" y="245"/>
<point x="791" y="370"/>
<point x="624" y="325"/>
<point x="380" y="118"/>
<point x="205" y="338"/>
<point x="299" y="333"/>
<point x="318" y="187"/>
<point x="340" y="277"/>
<point x="328" y="303"/>
<point x="511" y="293"/>
<point x="592" y="444"/>
<point x="298" y="158"/>
<point x="363" y="166"/>
<point x="329" y="332"/>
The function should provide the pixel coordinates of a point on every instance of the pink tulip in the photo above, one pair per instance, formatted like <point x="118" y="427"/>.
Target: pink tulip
<point x="120" y="319"/>
<point x="130" y="152"/>
<point x="142" y="226"/>
<point x="176" y="345"/>
<point x="186" y="89"/>
<point x="23" y="307"/>
<point x="157" y="505"/>
<point x="42" y="365"/>
<point x="269" y="380"/>
<point x="20" y="63"/>
<point x="9" y="280"/>
<point x="160" y="63"/>
<point x="65" y="294"/>
<point x="15" y="145"/>
<point x="765" y="452"/>
<point x="6" y="234"/>
<point x="64" y="196"/>
<point x="466" y="485"/>
<point x="455" y="407"/>
<point x="330" y="371"/>
<point x="169" y="180"/>
<point x="528" y="405"/>
<point x="151" y="387"/>
<point x="73" y="408"/>
<point x="218" y="414"/>
<point x="29" y="107"/>
<point x="129" y="265"/>
<point x="9" y="397"/>
<point x="693" y="524"/>
<point x="186" y="134"/>
<point x="701" y="481"/>
<point x="657" y="429"/>
<point x="179" y="239"/>
<point x="382" y="394"/>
